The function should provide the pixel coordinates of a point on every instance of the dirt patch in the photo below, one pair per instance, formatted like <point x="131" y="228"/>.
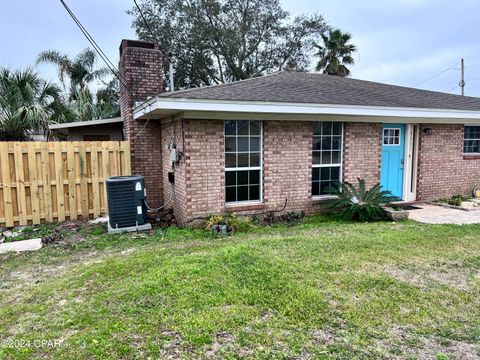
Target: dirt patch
<point x="403" y="340"/>
<point x="450" y="273"/>
<point x="323" y="337"/>
<point x="170" y="344"/>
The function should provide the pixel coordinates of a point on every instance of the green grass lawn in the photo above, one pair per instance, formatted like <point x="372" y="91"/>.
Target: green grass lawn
<point x="321" y="289"/>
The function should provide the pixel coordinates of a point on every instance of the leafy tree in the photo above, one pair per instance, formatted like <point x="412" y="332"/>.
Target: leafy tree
<point x="217" y="41"/>
<point x="28" y="104"/>
<point x="108" y="98"/>
<point x="80" y="70"/>
<point x="335" y="53"/>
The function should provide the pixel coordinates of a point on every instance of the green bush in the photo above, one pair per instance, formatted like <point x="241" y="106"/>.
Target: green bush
<point x="456" y="200"/>
<point x="359" y="204"/>
<point x="234" y="223"/>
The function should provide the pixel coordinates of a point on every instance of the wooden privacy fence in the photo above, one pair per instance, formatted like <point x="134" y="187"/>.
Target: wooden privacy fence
<point x="56" y="181"/>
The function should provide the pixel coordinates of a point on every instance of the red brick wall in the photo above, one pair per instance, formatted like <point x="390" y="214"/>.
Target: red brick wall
<point x="287" y="165"/>
<point x="362" y="154"/>
<point x="141" y="69"/>
<point x="287" y="158"/>
<point x="205" y="164"/>
<point x="174" y="128"/>
<point x="443" y="169"/>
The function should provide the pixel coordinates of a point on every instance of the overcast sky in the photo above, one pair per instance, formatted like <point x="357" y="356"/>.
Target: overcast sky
<point x="402" y="42"/>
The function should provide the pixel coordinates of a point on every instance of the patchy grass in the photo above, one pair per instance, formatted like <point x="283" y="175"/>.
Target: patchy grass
<point x="321" y="289"/>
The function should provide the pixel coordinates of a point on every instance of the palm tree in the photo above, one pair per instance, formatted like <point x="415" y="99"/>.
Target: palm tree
<point x="28" y="104"/>
<point x="79" y="70"/>
<point x="85" y="108"/>
<point x="335" y="53"/>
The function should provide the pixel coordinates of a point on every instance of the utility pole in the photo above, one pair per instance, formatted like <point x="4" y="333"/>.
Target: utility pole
<point x="171" y="61"/>
<point x="462" y="81"/>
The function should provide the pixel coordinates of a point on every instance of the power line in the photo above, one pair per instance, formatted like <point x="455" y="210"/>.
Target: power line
<point x="437" y="74"/>
<point x="456" y="86"/>
<point x="105" y="59"/>
<point x="96" y="47"/>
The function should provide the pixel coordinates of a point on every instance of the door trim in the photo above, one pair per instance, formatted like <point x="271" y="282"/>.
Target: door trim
<point x="411" y="162"/>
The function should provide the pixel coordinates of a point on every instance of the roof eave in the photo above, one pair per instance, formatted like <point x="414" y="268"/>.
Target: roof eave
<point x="85" y="123"/>
<point x="160" y="106"/>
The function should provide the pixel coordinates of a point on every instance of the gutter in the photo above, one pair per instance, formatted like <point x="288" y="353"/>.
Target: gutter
<point x="177" y="105"/>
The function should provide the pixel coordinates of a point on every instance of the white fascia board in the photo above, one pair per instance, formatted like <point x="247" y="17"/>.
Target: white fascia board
<point x="212" y="106"/>
<point x="85" y="123"/>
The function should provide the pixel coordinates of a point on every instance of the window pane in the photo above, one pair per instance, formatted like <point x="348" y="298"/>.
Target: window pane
<point x="255" y="127"/>
<point x="254" y="177"/>
<point x="315" y="188"/>
<point x="317" y="128"/>
<point x="231" y="194"/>
<point x="316" y="174"/>
<point x="242" y="177"/>
<point x="336" y="157"/>
<point x="337" y="128"/>
<point x="325" y="174"/>
<point x="254" y="159"/>
<point x="327" y="143"/>
<point x="243" y="160"/>
<point x="324" y="185"/>
<point x="254" y="192"/>
<point x="326" y="157"/>
<point x="254" y="144"/>
<point x="316" y="157"/>
<point x="230" y="144"/>
<point x="230" y="178"/>
<point x="335" y="174"/>
<point x="337" y="143"/>
<point x="316" y="142"/>
<point x="327" y="128"/>
<point x="243" y="144"/>
<point x="242" y="193"/>
<point x="231" y="160"/>
<point x="230" y="127"/>
<point x="242" y="127"/>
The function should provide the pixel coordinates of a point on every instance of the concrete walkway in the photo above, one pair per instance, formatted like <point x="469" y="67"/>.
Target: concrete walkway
<point x="432" y="214"/>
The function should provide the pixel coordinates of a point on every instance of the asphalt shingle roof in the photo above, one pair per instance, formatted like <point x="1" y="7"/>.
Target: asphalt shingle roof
<point x="298" y="87"/>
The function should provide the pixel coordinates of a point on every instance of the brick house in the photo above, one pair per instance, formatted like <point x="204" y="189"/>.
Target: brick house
<point x="249" y="145"/>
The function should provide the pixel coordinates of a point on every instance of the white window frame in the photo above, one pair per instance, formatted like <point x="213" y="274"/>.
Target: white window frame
<point x="248" y="168"/>
<point x="340" y="165"/>
<point x="463" y="145"/>
<point x="399" y="137"/>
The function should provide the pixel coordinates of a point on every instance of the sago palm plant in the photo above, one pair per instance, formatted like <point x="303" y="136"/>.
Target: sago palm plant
<point x="359" y="203"/>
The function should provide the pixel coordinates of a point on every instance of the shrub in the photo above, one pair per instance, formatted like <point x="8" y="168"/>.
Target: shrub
<point x="239" y="223"/>
<point x="456" y="200"/>
<point x="233" y="223"/>
<point x="360" y="204"/>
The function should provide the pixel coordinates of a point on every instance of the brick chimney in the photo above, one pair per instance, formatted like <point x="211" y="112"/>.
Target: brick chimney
<point x="141" y="70"/>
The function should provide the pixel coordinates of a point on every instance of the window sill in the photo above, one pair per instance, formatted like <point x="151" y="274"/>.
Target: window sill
<point x="246" y="206"/>
<point x="472" y="156"/>
<point x="322" y="198"/>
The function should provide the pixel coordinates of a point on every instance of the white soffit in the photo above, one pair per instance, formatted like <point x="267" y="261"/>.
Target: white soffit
<point x="161" y="107"/>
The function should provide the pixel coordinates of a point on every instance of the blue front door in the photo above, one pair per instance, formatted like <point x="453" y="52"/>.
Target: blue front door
<point x="393" y="150"/>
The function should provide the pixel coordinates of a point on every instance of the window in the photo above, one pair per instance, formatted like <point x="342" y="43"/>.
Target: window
<point x="471" y="139"/>
<point x="327" y="156"/>
<point x="243" y="161"/>
<point x="391" y="136"/>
